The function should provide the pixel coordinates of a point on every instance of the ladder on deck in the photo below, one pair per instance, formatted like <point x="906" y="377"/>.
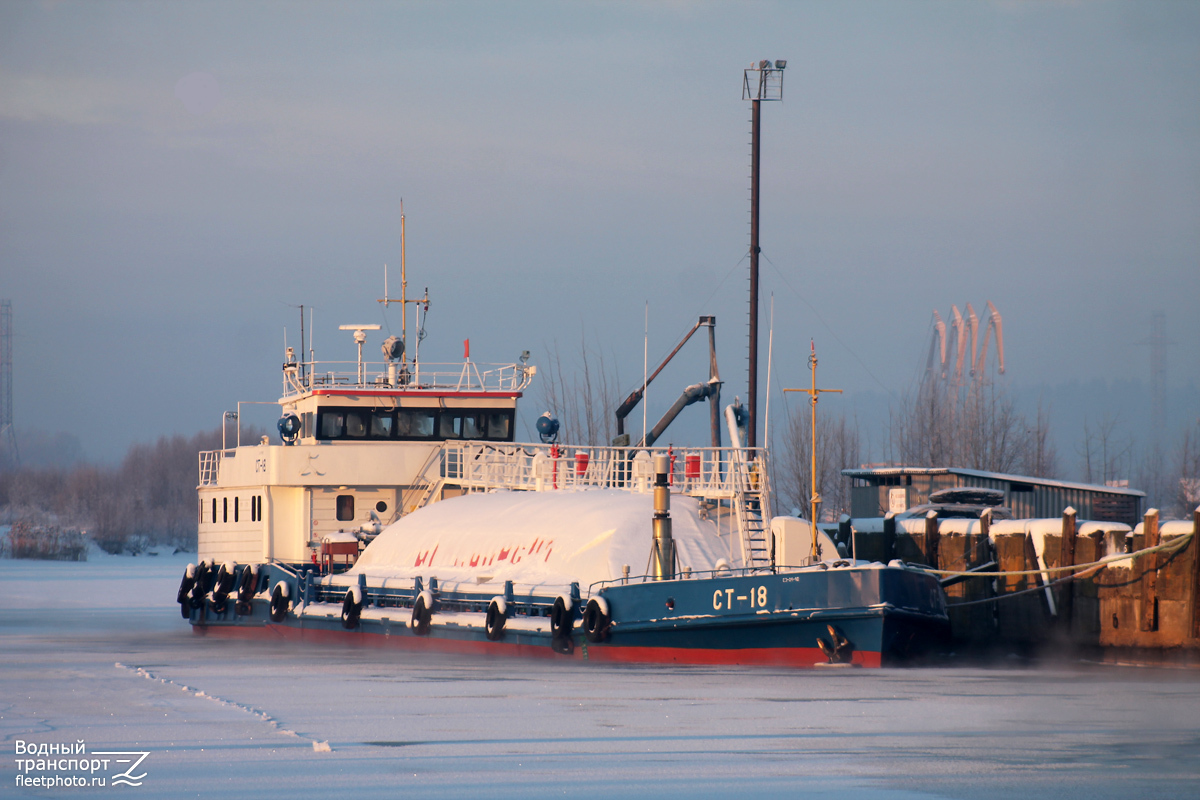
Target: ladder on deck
<point x="426" y="487"/>
<point x="750" y="506"/>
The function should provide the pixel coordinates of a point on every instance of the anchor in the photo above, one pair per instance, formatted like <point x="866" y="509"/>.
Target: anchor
<point x="838" y="649"/>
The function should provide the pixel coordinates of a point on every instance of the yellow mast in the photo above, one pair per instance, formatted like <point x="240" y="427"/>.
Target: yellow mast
<point x="403" y="286"/>
<point x="812" y="393"/>
<point x="403" y="301"/>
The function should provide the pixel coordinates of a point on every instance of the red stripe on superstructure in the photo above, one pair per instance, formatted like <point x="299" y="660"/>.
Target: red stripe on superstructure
<point x="410" y="393"/>
<point x="752" y="656"/>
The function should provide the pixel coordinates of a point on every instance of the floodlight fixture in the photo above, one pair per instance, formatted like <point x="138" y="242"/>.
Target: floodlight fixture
<point x="780" y="63"/>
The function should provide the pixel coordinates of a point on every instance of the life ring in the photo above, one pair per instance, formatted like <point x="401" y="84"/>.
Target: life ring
<point x="199" y="593"/>
<point x="185" y="588"/>
<point x="279" y="602"/>
<point x="352" y="608"/>
<point x="596" y="620"/>
<point x="422" y="615"/>
<point x="497" y="615"/>
<point x="222" y="586"/>
<point x="562" y="617"/>
<point x="247" y="588"/>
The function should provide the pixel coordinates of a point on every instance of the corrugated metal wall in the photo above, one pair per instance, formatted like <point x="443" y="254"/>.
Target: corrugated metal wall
<point x="1027" y="499"/>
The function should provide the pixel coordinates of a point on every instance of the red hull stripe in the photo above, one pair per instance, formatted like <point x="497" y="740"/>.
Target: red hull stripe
<point x="755" y="656"/>
<point x="408" y="393"/>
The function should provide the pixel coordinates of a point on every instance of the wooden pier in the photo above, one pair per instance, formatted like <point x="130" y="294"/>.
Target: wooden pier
<point x="1145" y="607"/>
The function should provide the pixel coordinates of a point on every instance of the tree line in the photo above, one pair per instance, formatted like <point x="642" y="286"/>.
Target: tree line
<point x="148" y="499"/>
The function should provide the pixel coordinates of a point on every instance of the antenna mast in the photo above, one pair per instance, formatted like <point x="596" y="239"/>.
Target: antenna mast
<point x="403" y="301"/>
<point x="762" y="81"/>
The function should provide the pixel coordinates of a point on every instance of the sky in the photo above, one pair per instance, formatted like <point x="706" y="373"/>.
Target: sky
<point x="176" y="178"/>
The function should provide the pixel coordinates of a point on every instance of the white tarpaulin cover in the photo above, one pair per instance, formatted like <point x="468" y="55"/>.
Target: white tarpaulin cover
<point x="538" y="538"/>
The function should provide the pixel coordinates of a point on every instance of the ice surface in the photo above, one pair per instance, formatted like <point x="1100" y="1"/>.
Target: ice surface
<point x="97" y="651"/>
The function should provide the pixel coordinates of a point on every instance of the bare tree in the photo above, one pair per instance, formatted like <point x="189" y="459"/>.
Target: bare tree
<point x="1039" y="456"/>
<point x="1187" y="490"/>
<point x="583" y="395"/>
<point x="975" y="426"/>
<point x="838" y="448"/>
<point x="1106" y="452"/>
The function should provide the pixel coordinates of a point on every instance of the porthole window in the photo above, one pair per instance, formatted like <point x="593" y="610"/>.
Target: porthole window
<point x="381" y="506"/>
<point x="345" y="507"/>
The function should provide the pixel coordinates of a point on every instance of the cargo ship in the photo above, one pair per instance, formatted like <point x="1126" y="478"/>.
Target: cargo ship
<point x="398" y="508"/>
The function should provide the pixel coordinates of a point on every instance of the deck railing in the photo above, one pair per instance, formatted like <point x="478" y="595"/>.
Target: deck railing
<point x="714" y="472"/>
<point x="466" y="376"/>
<point x="210" y="463"/>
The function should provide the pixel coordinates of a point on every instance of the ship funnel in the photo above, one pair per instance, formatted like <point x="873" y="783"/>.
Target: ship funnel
<point x="662" y="554"/>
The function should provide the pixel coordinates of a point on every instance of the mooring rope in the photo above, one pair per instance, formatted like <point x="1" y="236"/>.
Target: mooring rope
<point x="1175" y="544"/>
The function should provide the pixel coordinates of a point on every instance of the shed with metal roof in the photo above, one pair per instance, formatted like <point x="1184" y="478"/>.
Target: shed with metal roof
<point x="875" y="491"/>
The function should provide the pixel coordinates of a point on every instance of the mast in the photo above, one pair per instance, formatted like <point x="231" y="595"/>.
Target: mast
<point x="813" y="393"/>
<point x="404" y="301"/>
<point x="767" y="85"/>
<point x="403" y="286"/>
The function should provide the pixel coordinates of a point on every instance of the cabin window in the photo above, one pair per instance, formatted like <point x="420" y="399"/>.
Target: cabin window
<point x="214" y="514"/>
<point x="332" y="424"/>
<point x="449" y="427"/>
<point x="345" y="507"/>
<point x="224" y="509"/>
<point x="381" y="506"/>
<point x="415" y="423"/>
<point x="499" y="426"/>
<point x="473" y="426"/>
<point x="235" y="508"/>
<point x="409" y="424"/>
<point x="356" y="424"/>
<point x="1020" y="487"/>
<point x="381" y="425"/>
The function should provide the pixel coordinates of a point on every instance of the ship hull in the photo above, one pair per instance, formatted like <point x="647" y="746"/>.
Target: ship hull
<point x="867" y="617"/>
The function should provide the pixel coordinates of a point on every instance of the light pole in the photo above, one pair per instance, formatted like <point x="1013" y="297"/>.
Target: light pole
<point x="762" y="81"/>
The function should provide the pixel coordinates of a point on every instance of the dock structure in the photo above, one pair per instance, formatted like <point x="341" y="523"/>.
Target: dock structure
<point x="877" y="490"/>
<point x="1067" y="584"/>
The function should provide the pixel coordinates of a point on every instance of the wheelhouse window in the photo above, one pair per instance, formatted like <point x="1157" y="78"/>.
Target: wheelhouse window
<point x="381" y="425"/>
<point x="499" y="426"/>
<point x="415" y="424"/>
<point x="356" y="424"/>
<point x="333" y="423"/>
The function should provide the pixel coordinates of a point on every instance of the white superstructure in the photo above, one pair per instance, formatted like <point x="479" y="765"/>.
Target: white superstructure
<point x="361" y="445"/>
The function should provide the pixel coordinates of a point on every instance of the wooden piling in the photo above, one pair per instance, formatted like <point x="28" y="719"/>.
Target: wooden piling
<point x="889" y="537"/>
<point x="846" y="534"/>
<point x="932" y="539"/>
<point x="1066" y="596"/>
<point x="972" y="625"/>
<point x="1148" y="566"/>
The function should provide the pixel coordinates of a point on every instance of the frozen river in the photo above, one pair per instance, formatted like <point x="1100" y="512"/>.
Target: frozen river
<point x="97" y="652"/>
